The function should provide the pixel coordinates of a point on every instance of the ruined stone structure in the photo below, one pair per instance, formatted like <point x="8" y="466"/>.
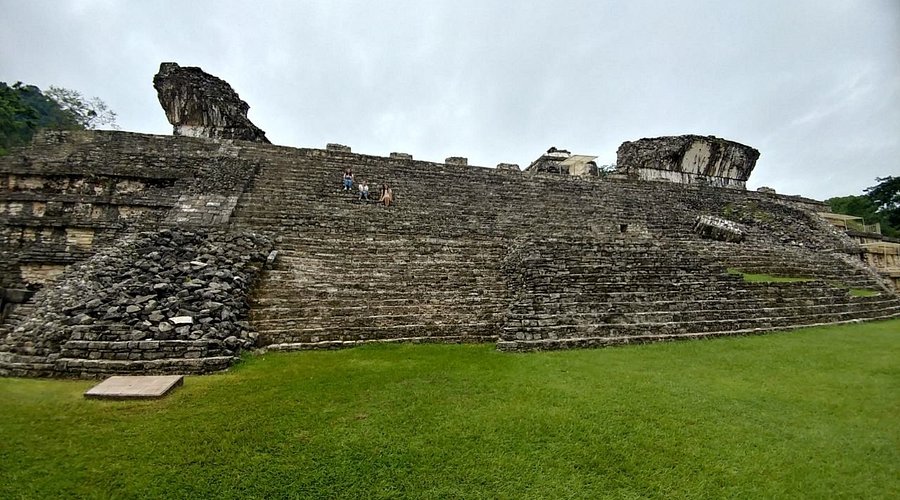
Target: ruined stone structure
<point x="880" y="251"/>
<point x="688" y="159"/>
<point x="198" y="104"/>
<point x="561" y="161"/>
<point x="530" y="260"/>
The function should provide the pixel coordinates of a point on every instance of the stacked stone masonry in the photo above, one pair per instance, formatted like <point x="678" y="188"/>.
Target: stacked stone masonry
<point x="464" y="254"/>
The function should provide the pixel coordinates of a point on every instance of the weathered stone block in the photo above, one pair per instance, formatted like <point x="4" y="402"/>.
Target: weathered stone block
<point x="688" y="159"/>
<point x="198" y="104"/>
<point x="456" y="160"/>
<point x="717" y="228"/>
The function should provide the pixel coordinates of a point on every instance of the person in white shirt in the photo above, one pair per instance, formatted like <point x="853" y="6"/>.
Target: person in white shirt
<point x="364" y="191"/>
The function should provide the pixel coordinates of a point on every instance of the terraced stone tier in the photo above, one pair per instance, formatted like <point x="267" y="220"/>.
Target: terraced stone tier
<point x="326" y="289"/>
<point x="588" y="292"/>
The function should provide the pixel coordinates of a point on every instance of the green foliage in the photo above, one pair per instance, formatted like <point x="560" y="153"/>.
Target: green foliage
<point x="767" y="278"/>
<point x="806" y="414"/>
<point x="18" y="120"/>
<point x="88" y="113"/>
<point x="856" y="205"/>
<point x="880" y="204"/>
<point x="886" y="195"/>
<point x="605" y="170"/>
<point x="24" y="109"/>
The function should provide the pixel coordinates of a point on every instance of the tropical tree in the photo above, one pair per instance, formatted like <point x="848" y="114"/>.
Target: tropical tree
<point x="88" y="113"/>
<point x="24" y="109"/>
<point x="886" y="196"/>
<point x="18" y="120"/>
<point x="880" y="203"/>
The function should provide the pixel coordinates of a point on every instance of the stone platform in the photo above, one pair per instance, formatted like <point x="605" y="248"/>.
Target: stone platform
<point x="135" y="387"/>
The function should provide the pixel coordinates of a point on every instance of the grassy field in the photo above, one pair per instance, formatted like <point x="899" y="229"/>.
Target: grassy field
<point x="806" y="414"/>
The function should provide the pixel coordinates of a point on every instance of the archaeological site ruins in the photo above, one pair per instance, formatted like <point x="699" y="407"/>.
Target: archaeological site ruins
<point x="127" y="253"/>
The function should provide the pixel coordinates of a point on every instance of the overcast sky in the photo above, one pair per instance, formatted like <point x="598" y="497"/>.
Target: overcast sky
<point x="814" y="85"/>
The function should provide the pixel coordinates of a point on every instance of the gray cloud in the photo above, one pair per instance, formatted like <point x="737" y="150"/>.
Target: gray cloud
<point x="814" y="85"/>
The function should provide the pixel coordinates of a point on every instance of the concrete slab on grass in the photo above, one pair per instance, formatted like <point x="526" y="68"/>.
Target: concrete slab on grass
<point x="135" y="387"/>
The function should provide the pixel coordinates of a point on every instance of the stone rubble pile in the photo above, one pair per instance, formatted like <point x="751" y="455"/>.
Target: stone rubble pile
<point x="170" y="285"/>
<point x="717" y="228"/>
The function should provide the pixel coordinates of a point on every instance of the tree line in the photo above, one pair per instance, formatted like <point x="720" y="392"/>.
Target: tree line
<point x="24" y="109"/>
<point x="879" y="203"/>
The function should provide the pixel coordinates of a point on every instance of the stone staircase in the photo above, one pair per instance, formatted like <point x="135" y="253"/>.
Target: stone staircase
<point x="350" y="272"/>
<point x="468" y="253"/>
<point x="326" y="289"/>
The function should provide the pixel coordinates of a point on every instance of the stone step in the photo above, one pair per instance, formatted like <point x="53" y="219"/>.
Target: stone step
<point x="723" y="305"/>
<point x="667" y="328"/>
<point x="480" y="330"/>
<point x="574" y="317"/>
<point x="505" y="344"/>
<point x="352" y="299"/>
<point x="343" y="344"/>
<point x="374" y="290"/>
<point x="375" y="321"/>
<point x="142" y="350"/>
<point x="98" y="367"/>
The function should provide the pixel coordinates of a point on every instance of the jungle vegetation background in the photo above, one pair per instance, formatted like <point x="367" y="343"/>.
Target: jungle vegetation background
<point x="25" y="109"/>
<point x="880" y="203"/>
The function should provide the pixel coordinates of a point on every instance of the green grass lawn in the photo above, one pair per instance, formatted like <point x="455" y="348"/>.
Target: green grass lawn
<point x="768" y="278"/>
<point x="806" y="414"/>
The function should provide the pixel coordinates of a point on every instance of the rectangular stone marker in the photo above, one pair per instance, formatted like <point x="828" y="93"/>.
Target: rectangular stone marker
<point x="135" y="387"/>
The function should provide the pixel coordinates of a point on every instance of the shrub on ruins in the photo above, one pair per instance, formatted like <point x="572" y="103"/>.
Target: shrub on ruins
<point x="24" y="109"/>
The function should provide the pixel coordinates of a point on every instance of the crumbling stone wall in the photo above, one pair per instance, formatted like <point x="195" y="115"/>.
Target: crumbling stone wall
<point x="70" y="193"/>
<point x="165" y="301"/>
<point x="71" y="196"/>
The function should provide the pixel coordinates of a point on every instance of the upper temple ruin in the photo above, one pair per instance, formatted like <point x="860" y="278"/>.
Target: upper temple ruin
<point x="688" y="159"/>
<point x="137" y="253"/>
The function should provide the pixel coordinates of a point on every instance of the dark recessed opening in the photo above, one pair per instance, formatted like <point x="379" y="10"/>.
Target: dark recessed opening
<point x="623" y="228"/>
